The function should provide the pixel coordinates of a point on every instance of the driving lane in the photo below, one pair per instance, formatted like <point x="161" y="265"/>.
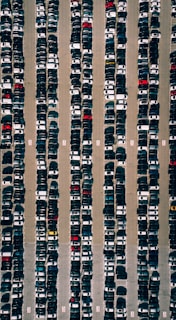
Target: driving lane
<point x="98" y="157"/>
<point x="64" y="163"/>
<point x="131" y="162"/>
<point x="30" y="162"/>
<point x="164" y="66"/>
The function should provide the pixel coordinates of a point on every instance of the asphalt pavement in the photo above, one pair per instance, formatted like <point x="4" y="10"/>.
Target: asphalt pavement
<point x="131" y="162"/>
<point x="30" y="161"/>
<point x="64" y="163"/>
<point x="98" y="158"/>
<point x="164" y="66"/>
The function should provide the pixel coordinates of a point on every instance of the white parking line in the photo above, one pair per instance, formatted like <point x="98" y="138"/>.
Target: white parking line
<point x="63" y="309"/>
<point x="97" y="308"/>
<point x="64" y="142"/>
<point x="97" y="143"/>
<point x="29" y="142"/>
<point x="28" y="309"/>
<point x="132" y="143"/>
<point x="164" y="314"/>
<point x="163" y="143"/>
<point x="132" y="314"/>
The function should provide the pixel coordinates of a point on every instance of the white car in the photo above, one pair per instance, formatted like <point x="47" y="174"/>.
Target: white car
<point x="110" y="14"/>
<point x="121" y="139"/>
<point x="121" y="8"/>
<point x="122" y="3"/>
<point x="85" y="96"/>
<point x="173" y="11"/>
<point x="87" y="19"/>
<point x="156" y="82"/>
<point x="52" y="66"/>
<point x="109" y="35"/>
<point x="154" y="116"/>
<point x="173" y="37"/>
<point x="121" y="105"/>
<point x="74" y="198"/>
<point x="109" y="96"/>
<point x="109" y="30"/>
<point x="87" y="142"/>
<point x="6" y="12"/>
<point x="85" y="80"/>
<point x="109" y="82"/>
<point x="75" y="45"/>
<point x="156" y="3"/>
<point x="75" y="14"/>
<point x="155" y="34"/>
<point x="76" y="112"/>
<point x="41" y="66"/>
<point x="121" y="67"/>
<point x="53" y="60"/>
<point x="143" y="41"/>
<point x="40" y="122"/>
<point x="7" y="181"/>
<point x="155" y="7"/>
<point x="52" y="316"/>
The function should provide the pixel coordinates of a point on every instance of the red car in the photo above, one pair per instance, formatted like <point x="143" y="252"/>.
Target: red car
<point x="4" y="259"/>
<point x="87" y="192"/>
<point x="75" y="248"/>
<point x="87" y="25"/>
<point x="87" y="117"/>
<point x="173" y="163"/>
<point x="173" y="67"/>
<point x="18" y="86"/>
<point x="173" y="92"/>
<point x="109" y="5"/>
<point x="76" y="187"/>
<point x="74" y="238"/>
<point x="7" y="96"/>
<point x="6" y="127"/>
<point x="53" y="219"/>
<point x="142" y="82"/>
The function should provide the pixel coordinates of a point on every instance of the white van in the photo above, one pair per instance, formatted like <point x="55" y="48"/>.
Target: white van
<point x="74" y="157"/>
<point x="6" y="85"/>
<point x="52" y="66"/>
<point x="75" y="45"/>
<point x="120" y="96"/>
<point x="142" y="193"/>
<point x="121" y="105"/>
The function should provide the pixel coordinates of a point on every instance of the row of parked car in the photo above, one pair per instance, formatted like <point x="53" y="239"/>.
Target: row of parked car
<point x="47" y="188"/>
<point x="172" y="167"/>
<point x="13" y="165"/>
<point x="81" y="79"/>
<point x="147" y="156"/>
<point x="114" y="211"/>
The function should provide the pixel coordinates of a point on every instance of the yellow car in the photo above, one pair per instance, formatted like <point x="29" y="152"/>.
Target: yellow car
<point x="52" y="233"/>
<point x="173" y="208"/>
<point x="110" y="62"/>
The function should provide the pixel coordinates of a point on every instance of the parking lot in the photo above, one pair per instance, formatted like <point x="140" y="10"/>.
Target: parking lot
<point x="88" y="162"/>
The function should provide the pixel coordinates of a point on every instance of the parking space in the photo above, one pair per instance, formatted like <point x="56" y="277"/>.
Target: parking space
<point x="88" y="159"/>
